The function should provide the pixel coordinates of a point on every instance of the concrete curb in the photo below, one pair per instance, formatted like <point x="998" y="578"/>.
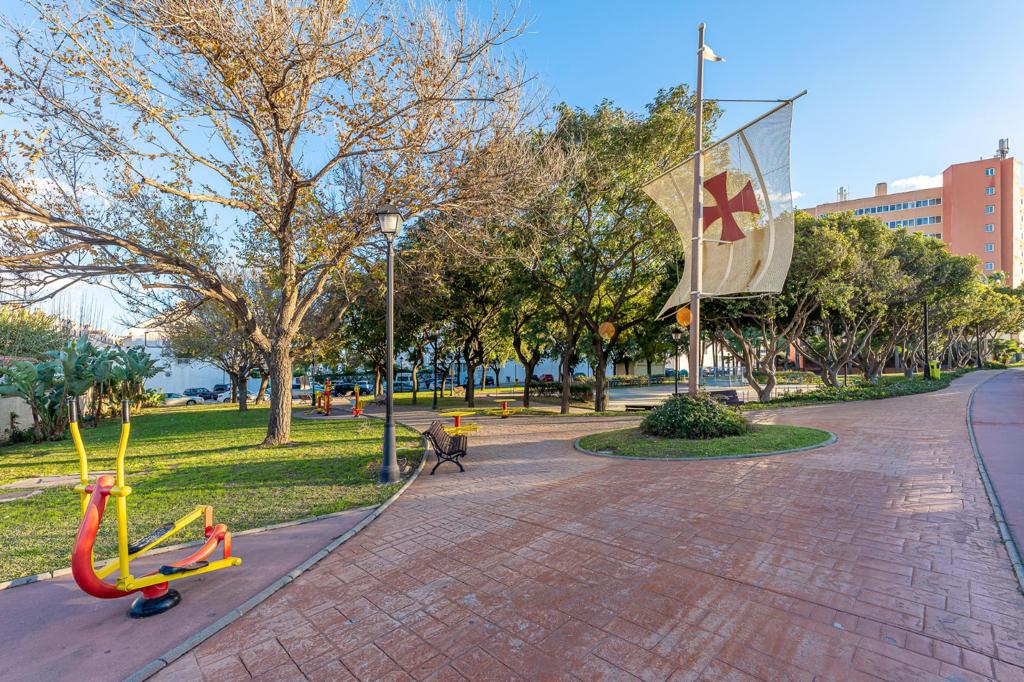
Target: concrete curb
<point x="164" y="660"/>
<point x="1012" y="551"/>
<point x="605" y="453"/>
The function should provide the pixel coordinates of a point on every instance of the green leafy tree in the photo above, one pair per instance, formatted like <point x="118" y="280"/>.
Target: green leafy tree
<point x="604" y="242"/>
<point x="29" y="333"/>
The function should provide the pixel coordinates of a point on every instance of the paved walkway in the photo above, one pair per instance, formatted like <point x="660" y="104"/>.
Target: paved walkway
<point x="998" y="419"/>
<point x="872" y="558"/>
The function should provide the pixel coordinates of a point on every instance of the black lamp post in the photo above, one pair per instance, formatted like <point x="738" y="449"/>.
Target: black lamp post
<point x="433" y="342"/>
<point x="390" y="222"/>
<point x="677" y="336"/>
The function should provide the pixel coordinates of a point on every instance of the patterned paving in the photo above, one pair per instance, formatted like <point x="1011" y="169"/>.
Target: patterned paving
<point x="874" y="558"/>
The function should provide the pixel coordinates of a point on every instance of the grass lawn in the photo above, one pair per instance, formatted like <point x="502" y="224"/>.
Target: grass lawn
<point x="182" y="457"/>
<point x="763" y="438"/>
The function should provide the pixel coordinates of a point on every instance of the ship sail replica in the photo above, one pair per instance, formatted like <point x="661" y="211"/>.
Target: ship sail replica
<point x="733" y="206"/>
<point x="747" y="210"/>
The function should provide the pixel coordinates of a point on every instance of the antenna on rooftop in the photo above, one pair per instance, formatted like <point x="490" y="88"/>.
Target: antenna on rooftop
<point x="1004" y="148"/>
<point x="842" y="194"/>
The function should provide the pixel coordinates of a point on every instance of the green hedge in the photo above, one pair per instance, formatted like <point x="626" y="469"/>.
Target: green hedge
<point x="578" y="392"/>
<point x="699" y="417"/>
<point x="790" y="377"/>
<point x="635" y="380"/>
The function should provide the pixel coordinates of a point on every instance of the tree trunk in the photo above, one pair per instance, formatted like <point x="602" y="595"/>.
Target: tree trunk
<point x="648" y="367"/>
<point x="599" y="372"/>
<point x="528" y="382"/>
<point x="280" y="426"/>
<point x="263" y="387"/>
<point x="566" y="381"/>
<point x="470" y="384"/>
<point x="497" y="376"/>
<point x="415" y="382"/>
<point x="243" y="392"/>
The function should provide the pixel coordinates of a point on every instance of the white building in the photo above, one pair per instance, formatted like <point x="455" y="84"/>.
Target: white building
<point x="178" y="374"/>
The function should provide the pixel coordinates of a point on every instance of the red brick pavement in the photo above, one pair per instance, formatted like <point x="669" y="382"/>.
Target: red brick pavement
<point x="874" y="558"/>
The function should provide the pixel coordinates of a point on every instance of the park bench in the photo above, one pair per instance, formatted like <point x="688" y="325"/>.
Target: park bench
<point x="447" y="448"/>
<point x="639" y="408"/>
<point x="729" y="397"/>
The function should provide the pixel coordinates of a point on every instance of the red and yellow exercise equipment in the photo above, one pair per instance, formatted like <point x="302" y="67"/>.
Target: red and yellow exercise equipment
<point x="156" y="596"/>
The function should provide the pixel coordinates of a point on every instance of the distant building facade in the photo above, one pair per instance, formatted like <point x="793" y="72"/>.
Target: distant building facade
<point x="978" y="210"/>
<point x="178" y="373"/>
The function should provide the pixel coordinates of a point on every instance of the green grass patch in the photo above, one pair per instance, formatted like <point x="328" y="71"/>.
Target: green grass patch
<point x="888" y="386"/>
<point x="761" y="438"/>
<point x="182" y="457"/>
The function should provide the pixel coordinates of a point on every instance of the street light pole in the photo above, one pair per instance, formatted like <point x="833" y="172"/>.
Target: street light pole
<point x="677" y="334"/>
<point x="390" y="221"/>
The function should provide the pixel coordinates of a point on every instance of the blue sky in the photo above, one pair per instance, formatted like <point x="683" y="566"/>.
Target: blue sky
<point x="896" y="89"/>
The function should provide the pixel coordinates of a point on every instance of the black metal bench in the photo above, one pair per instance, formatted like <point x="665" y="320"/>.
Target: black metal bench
<point x="446" y="447"/>
<point x="729" y="397"/>
<point x="639" y="408"/>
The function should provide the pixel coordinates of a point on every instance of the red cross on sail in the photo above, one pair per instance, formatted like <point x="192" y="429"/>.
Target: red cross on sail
<point x="747" y="210"/>
<point x="725" y="206"/>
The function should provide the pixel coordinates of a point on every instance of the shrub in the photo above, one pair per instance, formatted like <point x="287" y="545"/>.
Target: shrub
<point x="578" y="393"/>
<point x="635" y="380"/>
<point x="788" y="377"/>
<point x="694" y="418"/>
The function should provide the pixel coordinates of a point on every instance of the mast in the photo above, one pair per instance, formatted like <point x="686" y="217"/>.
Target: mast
<point x="698" y="219"/>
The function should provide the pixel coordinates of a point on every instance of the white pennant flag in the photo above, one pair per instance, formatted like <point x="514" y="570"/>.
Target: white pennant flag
<point x="748" y="210"/>
<point x="710" y="55"/>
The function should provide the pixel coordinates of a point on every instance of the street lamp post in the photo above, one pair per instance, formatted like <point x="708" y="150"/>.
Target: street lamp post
<point x="390" y="222"/>
<point x="433" y="342"/>
<point x="677" y="335"/>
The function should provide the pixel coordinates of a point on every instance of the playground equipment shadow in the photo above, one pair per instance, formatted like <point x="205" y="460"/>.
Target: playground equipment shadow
<point x="52" y="630"/>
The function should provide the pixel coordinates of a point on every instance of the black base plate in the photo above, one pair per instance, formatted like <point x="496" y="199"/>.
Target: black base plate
<point x="144" y="608"/>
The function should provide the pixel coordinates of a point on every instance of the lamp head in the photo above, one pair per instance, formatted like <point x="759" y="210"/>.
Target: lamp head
<point x="390" y="221"/>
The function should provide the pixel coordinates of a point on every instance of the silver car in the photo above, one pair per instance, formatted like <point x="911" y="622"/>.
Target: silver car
<point x="177" y="399"/>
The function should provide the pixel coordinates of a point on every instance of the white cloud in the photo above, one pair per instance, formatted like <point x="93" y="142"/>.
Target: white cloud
<point x="915" y="182"/>
<point x="779" y="198"/>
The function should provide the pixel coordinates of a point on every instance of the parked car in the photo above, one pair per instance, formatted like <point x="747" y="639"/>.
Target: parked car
<point x="225" y="397"/>
<point x="344" y="388"/>
<point x="221" y="388"/>
<point x="546" y="377"/>
<point x="204" y="393"/>
<point x="402" y="386"/>
<point x="305" y="393"/>
<point x="177" y="399"/>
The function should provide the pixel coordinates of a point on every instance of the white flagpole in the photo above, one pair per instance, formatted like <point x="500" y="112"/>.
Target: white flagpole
<point x="698" y="219"/>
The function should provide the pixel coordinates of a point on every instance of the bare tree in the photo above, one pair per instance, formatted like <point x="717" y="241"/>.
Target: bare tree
<point x="158" y="142"/>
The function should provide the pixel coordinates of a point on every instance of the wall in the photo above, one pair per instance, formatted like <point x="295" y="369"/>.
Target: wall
<point x="20" y="408"/>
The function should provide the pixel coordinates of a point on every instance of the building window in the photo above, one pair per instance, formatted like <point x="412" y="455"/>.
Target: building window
<point x="990" y="247"/>
<point x="990" y="191"/>
<point x="990" y="172"/>
<point x="990" y="209"/>
<point x="989" y="227"/>
<point x="990" y="265"/>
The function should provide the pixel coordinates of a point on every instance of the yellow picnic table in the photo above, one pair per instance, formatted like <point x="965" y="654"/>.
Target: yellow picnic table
<point x="458" y="428"/>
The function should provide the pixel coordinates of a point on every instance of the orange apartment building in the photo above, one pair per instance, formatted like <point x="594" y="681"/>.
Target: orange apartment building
<point x="979" y="210"/>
